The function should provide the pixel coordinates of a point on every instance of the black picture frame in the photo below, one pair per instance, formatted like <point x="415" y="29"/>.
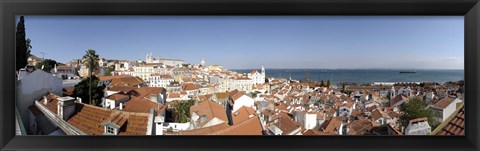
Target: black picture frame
<point x="470" y="9"/>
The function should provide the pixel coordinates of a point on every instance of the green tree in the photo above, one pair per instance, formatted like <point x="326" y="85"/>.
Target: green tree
<point x="109" y="69"/>
<point x="90" y="59"/>
<point x="22" y="45"/>
<point x="322" y="83"/>
<point x="82" y="90"/>
<point x="47" y="64"/>
<point x="182" y="110"/>
<point x="328" y="83"/>
<point x="416" y="108"/>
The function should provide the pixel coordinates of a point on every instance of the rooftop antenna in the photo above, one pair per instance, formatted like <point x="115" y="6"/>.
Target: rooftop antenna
<point x="43" y="55"/>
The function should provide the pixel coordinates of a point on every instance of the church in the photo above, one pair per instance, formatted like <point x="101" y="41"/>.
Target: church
<point x="257" y="77"/>
<point x="166" y="61"/>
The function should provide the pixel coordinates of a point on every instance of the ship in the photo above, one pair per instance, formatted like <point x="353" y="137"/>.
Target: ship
<point x="407" y="72"/>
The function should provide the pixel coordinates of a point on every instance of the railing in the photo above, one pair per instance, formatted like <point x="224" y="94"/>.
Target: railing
<point x="58" y="121"/>
<point x="19" y="123"/>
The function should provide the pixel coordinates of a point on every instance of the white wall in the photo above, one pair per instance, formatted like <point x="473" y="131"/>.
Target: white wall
<point x="34" y="86"/>
<point x="243" y="101"/>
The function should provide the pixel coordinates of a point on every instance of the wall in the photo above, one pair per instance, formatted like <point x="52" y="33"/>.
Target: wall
<point x="35" y="86"/>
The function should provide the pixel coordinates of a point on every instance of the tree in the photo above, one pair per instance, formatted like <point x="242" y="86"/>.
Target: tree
<point x="82" y="90"/>
<point x="322" y="83"/>
<point x="182" y="110"/>
<point x="254" y="95"/>
<point x="416" y="108"/>
<point x="328" y="83"/>
<point x="22" y="45"/>
<point x="90" y="59"/>
<point x="47" y="64"/>
<point x="108" y="70"/>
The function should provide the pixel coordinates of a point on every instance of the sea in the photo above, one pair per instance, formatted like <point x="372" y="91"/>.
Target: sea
<point x="365" y="75"/>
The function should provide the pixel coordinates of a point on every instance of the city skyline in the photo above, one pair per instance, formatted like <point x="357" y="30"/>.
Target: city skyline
<point x="248" y="42"/>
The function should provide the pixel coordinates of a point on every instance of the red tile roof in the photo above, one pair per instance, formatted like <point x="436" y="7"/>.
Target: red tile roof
<point x="117" y="96"/>
<point x="127" y="81"/>
<point x="88" y="118"/>
<point x="249" y="127"/>
<point x="377" y="114"/>
<point x="242" y="114"/>
<point x="210" y="110"/>
<point x="189" y="86"/>
<point x="454" y="125"/>
<point x="443" y="103"/>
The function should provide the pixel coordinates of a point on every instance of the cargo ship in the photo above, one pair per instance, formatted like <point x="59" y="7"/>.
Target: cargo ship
<point x="408" y="72"/>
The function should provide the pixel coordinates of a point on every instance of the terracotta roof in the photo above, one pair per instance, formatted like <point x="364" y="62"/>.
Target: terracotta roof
<point x="242" y="114"/>
<point x="397" y="99"/>
<point x="121" y="88"/>
<point x="254" y="71"/>
<point x="210" y="110"/>
<point x="234" y="95"/>
<point x="443" y="103"/>
<point x="35" y="111"/>
<point x="205" y="97"/>
<point x="204" y="131"/>
<point x="101" y="78"/>
<point x="88" y="119"/>
<point x="52" y="102"/>
<point x="332" y="125"/>
<point x="316" y="132"/>
<point x="285" y="123"/>
<point x="68" y="91"/>
<point x="453" y="125"/>
<point x="144" y="92"/>
<point x="189" y="86"/>
<point x="360" y="127"/>
<point x="418" y="120"/>
<point x="142" y="106"/>
<point x="117" y="96"/>
<point x="127" y="81"/>
<point x="377" y="114"/>
<point x="174" y="95"/>
<point x="249" y="127"/>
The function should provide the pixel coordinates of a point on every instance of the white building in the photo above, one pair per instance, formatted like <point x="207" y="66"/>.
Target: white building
<point x="146" y="70"/>
<point x="308" y="119"/>
<point x="444" y="108"/>
<point x="418" y="126"/>
<point x="239" y="83"/>
<point x="239" y="99"/>
<point x="160" y="80"/>
<point x="257" y="77"/>
<point x="165" y="61"/>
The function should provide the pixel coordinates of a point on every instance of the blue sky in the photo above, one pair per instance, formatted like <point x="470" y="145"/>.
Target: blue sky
<point x="246" y="42"/>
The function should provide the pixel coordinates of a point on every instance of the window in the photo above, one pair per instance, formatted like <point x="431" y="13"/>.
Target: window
<point x="110" y="130"/>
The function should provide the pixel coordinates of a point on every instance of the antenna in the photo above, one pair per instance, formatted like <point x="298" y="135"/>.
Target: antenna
<point x="43" y="55"/>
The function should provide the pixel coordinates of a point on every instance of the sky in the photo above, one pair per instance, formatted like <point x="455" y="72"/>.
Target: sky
<point x="249" y="42"/>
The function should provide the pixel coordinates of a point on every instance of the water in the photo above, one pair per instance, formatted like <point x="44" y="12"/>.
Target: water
<point x="365" y="75"/>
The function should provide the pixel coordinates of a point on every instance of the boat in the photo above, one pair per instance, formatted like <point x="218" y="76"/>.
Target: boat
<point x="408" y="72"/>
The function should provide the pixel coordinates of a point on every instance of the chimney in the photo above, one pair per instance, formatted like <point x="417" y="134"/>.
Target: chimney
<point x="229" y="117"/>
<point x="65" y="107"/>
<point x="45" y="100"/>
<point x="229" y="113"/>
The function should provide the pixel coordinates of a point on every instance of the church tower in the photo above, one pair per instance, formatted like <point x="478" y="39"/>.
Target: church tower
<point x="202" y="63"/>
<point x="263" y="70"/>
<point x="392" y="93"/>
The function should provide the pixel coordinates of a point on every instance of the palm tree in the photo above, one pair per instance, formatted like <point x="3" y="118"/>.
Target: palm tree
<point x="90" y="59"/>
